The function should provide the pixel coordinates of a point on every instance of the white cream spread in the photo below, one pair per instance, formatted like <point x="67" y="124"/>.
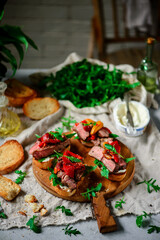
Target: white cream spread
<point x="138" y="111"/>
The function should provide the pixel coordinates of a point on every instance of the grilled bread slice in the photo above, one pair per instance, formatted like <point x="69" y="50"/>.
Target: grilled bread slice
<point x="18" y="93"/>
<point x="11" y="156"/>
<point x="39" y="108"/>
<point x="8" y="189"/>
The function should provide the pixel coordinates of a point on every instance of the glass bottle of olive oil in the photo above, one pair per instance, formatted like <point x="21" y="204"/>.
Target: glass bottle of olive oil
<point x="9" y="121"/>
<point x="147" y="72"/>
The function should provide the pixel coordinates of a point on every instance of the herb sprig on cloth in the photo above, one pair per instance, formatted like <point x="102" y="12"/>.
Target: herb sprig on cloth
<point x="2" y="214"/>
<point x="86" y="84"/>
<point x="33" y="225"/>
<point x="21" y="176"/>
<point x="67" y="211"/>
<point x="150" y="184"/>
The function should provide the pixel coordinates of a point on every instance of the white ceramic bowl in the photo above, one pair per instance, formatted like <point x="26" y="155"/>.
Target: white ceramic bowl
<point x="140" y="116"/>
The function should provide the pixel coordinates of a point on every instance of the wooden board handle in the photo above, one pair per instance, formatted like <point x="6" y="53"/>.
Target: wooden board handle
<point x="105" y="220"/>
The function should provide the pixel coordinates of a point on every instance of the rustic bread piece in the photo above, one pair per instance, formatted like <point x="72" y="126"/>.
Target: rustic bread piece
<point x="18" y="93"/>
<point x="11" y="156"/>
<point x="30" y="198"/>
<point x="8" y="189"/>
<point x="39" y="108"/>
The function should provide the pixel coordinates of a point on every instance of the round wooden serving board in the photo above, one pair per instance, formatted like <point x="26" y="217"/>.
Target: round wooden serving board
<point x="109" y="188"/>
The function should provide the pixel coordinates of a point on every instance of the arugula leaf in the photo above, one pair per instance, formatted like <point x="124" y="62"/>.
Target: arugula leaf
<point x="21" y="176"/>
<point x="69" y="230"/>
<point x="67" y="211"/>
<point x="68" y="122"/>
<point x="150" y="184"/>
<point x="89" y="169"/>
<point x="73" y="159"/>
<point x="111" y="148"/>
<point x="153" y="228"/>
<point x="55" y="180"/>
<point x="129" y="159"/>
<point x="33" y="226"/>
<point x="118" y="204"/>
<point x="87" y="84"/>
<point x="112" y="135"/>
<point x="139" y="219"/>
<point x="104" y="170"/>
<point x="37" y="136"/>
<point x="57" y="134"/>
<point x="70" y="135"/>
<point x="2" y="214"/>
<point x="91" y="192"/>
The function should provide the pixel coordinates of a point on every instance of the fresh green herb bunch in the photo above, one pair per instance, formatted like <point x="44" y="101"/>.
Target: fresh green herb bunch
<point x="86" y="84"/>
<point x="12" y="35"/>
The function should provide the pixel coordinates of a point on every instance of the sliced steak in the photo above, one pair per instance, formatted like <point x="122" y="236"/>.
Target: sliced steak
<point x="96" y="142"/>
<point x="103" y="132"/>
<point x="110" y="164"/>
<point x="96" y="152"/>
<point x="50" y="149"/>
<point x="122" y="164"/>
<point x="67" y="181"/>
<point x="81" y="131"/>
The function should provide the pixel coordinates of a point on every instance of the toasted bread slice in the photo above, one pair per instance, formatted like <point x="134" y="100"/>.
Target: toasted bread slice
<point x="11" y="156"/>
<point x="39" y="108"/>
<point x="8" y="189"/>
<point x="18" y="93"/>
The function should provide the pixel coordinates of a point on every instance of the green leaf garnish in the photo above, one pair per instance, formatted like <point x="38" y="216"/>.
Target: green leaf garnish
<point x="37" y="136"/>
<point x="112" y="135"/>
<point x="153" y="228"/>
<point x="2" y="214"/>
<point x="33" y="226"/>
<point x="88" y="85"/>
<point x="55" y="180"/>
<point x="150" y="184"/>
<point x="92" y="191"/>
<point x="69" y="230"/>
<point x="129" y="159"/>
<point x="57" y="135"/>
<point x="73" y="159"/>
<point x="67" y="211"/>
<point x="111" y="148"/>
<point x="70" y="135"/>
<point x="21" y="176"/>
<point x="139" y="219"/>
<point x="68" y="122"/>
<point x="118" y="204"/>
<point x="104" y="170"/>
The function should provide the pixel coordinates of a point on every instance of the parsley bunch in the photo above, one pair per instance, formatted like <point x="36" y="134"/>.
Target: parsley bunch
<point x="86" y="84"/>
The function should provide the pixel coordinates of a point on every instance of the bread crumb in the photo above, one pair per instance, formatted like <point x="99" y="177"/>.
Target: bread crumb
<point x="30" y="198"/>
<point x="43" y="211"/>
<point x="36" y="207"/>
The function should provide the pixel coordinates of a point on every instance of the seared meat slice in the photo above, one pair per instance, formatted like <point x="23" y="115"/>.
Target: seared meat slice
<point x="81" y="131"/>
<point x="122" y="164"/>
<point x="110" y="164"/>
<point x="42" y="152"/>
<point x="66" y="180"/>
<point x="103" y="132"/>
<point x="96" y="152"/>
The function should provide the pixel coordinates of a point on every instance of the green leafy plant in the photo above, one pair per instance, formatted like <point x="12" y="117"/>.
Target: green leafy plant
<point x="140" y="218"/>
<point x="92" y="191"/>
<point x="67" y="211"/>
<point x="21" y="176"/>
<point x="88" y="84"/>
<point x="69" y="230"/>
<point x="12" y="35"/>
<point x="55" y="180"/>
<point x="118" y="204"/>
<point x="150" y="184"/>
<point x="33" y="225"/>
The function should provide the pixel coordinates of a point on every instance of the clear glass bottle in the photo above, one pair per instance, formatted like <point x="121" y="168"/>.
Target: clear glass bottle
<point x="9" y="121"/>
<point x="147" y="72"/>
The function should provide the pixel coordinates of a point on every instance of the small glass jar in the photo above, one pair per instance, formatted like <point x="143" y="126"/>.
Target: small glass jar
<point x="9" y="121"/>
<point x="147" y="72"/>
